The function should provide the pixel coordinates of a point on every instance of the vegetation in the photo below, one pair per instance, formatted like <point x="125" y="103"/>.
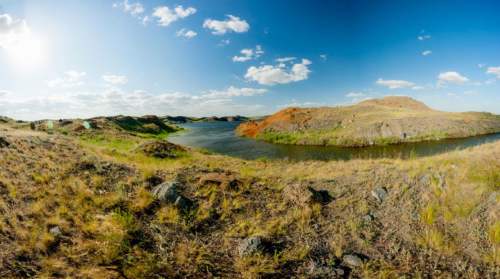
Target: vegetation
<point x="82" y="205"/>
<point x="390" y="120"/>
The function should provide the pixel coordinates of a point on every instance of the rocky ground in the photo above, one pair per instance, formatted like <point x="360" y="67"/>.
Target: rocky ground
<point x="107" y="203"/>
<point x="389" y="120"/>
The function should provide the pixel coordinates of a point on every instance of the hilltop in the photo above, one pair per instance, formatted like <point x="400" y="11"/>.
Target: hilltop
<point x="388" y="120"/>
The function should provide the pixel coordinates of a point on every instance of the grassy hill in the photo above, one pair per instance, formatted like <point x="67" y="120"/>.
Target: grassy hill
<point x="102" y="204"/>
<point x="374" y="122"/>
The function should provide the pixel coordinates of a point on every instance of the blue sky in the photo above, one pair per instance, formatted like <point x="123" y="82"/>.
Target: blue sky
<point x="98" y="57"/>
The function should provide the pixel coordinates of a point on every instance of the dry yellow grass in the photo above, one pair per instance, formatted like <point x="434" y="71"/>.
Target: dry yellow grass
<point x="440" y="218"/>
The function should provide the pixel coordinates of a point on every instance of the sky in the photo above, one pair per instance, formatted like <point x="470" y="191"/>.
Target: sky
<point x="66" y="59"/>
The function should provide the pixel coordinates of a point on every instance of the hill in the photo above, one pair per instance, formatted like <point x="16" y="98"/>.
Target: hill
<point x="106" y="203"/>
<point x="389" y="120"/>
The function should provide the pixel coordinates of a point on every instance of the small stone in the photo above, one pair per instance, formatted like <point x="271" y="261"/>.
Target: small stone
<point x="352" y="260"/>
<point x="167" y="191"/>
<point x="379" y="194"/>
<point x="183" y="203"/>
<point x="250" y="245"/>
<point x="55" y="231"/>
<point x="339" y="271"/>
<point x="368" y="218"/>
<point x="320" y="196"/>
<point x="4" y="142"/>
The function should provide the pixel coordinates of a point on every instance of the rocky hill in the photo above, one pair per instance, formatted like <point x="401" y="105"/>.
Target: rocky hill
<point x="374" y="122"/>
<point x="185" y="119"/>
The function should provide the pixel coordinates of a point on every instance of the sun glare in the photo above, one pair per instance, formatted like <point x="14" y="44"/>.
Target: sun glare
<point x="27" y="52"/>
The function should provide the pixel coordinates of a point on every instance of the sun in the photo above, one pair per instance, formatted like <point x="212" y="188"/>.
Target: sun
<point x="26" y="52"/>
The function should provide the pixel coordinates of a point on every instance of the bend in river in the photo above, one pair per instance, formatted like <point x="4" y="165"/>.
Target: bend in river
<point x="220" y="137"/>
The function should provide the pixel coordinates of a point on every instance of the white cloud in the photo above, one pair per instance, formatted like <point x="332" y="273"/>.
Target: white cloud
<point x="424" y="37"/>
<point x="70" y="79"/>
<point x="166" y="15"/>
<point x="323" y="57"/>
<point x="494" y="71"/>
<point x="481" y="65"/>
<point x="426" y="52"/>
<point x="4" y="93"/>
<point x="451" y="77"/>
<point x="225" y="42"/>
<point x="249" y="54"/>
<point x="115" y="79"/>
<point x="355" y="94"/>
<point x="114" y="101"/>
<point x="234" y="92"/>
<point x="134" y="9"/>
<point x="285" y="59"/>
<point x="12" y="30"/>
<point x="186" y="33"/>
<point x="231" y="24"/>
<point x="395" y="84"/>
<point x="271" y="75"/>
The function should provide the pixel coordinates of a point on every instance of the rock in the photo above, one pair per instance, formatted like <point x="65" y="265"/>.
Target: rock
<point x="340" y="272"/>
<point x="167" y="191"/>
<point x="4" y="142"/>
<point x="352" y="260"/>
<point x="368" y="218"/>
<point x="183" y="203"/>
<point x="303" y="195"/>
<point x="379" y="193"/>
<point x="250" y="245"/>
<point x="55" y="231"/>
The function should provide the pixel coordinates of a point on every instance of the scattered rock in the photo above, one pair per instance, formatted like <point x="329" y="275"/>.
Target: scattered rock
<point x="352" y="260"/>
<point x="380" y="193"/>
<point x="303" y="195"/>
<point x="250" y="245"/>
<point x="4" y="142"/>
<point x="153" y="180"/>
<point x="160" y="149"/>
<point x="183" y="203"/>
<point x="368" y="218"/>
<point x="320" y="196"/>
<point x="55" y="231"/>
<point x="167" y="191"/>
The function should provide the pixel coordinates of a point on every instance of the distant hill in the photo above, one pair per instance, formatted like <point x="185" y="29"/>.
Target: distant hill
<point x="388" y="120"/>
<point x="185" y="119"/>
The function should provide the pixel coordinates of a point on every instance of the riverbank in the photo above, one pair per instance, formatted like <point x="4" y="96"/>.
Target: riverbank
<point x="391" y="120"/>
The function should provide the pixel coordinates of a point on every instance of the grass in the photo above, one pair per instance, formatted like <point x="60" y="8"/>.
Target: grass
<point x="112" y="226"/>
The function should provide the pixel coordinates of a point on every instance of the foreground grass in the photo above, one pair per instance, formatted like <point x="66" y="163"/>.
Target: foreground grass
<point x="440" y="218"/>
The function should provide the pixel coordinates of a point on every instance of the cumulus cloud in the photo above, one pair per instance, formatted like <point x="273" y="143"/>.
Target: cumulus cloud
<point x="115" y="79"/>
<point x="494" y="71"/>
<point x="355" y="94"/>
<point x="134" y="9"/>
<point x="69" y="79"/>
<point x="234" y="92"/>
<point x="249" y="54"/>
<point x="231" y="24"/>
<point x="395" y="84"/>
<point x="426" y="52"/>
<point x="4" y="93"/>
<point x="186" y="33"/>
<point x="285" y="59"/>
<point x="280" y="74"/>
<point x="424" y="37"/>
<point x="166" y="16"/>
<point x="451" y="78"/>
<point x="114" y="101"/>
<point x="12" y="30"/>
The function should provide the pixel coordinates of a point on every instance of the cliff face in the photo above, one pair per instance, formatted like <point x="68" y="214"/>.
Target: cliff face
<point x="380" y="121"/>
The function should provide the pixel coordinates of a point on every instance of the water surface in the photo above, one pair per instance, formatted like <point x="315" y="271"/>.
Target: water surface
<point x="220" y="137"/>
